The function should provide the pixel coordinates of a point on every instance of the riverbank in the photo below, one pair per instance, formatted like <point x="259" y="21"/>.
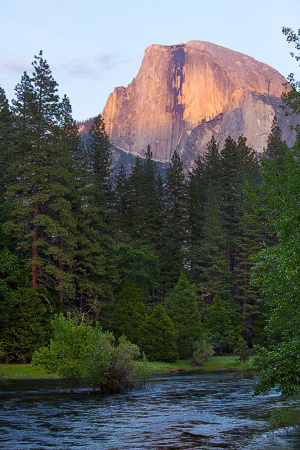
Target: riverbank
<point x="216" y="363"/>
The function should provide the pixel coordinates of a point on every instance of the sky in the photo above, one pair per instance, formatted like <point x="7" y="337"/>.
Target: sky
<point x="93" y="46"/>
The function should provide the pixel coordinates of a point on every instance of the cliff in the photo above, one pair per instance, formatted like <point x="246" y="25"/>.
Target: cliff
<point x="193" y="90"/>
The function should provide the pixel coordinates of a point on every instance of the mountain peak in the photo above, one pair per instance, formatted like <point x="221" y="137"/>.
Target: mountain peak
<point x="180" y="86"/>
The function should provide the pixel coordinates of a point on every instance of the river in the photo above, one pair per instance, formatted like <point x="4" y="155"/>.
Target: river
<point x="178" y="411"/>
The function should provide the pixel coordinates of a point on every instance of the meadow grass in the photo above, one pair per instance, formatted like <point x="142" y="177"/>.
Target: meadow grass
<point x="24" y="372"/>
<point x="216" y="363"/>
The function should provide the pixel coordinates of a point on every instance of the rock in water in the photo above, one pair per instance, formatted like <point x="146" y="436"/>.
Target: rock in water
<point x="184" y="94"/>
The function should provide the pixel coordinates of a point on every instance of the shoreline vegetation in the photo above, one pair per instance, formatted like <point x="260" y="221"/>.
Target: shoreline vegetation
<point x="213" y="364"/>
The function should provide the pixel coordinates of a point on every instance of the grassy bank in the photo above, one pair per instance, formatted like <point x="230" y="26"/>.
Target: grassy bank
<point x="27" y="371"/>
<point x="24" y="372"/>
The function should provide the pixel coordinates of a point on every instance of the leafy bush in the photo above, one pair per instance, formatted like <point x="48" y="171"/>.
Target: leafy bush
<point x="81" y="354"/>
<point x="122" y="366"/>
<point x="203" y="350"/>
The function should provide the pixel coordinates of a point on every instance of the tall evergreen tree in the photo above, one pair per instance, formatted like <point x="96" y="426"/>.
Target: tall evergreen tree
<point x="130" y="313"/>
<point x="181" y="306"/>
<point x="122" y="205"/>
<point x="175" y="225"/>
<point x="43" y="187"/>
<point x="36" y="109"/>
<point x="276" y="147"/>
<point x="231" y="196"/>
<point x="151" y="203"/>
<point x="196" y="200"/>
<point x="135" y="200"/>
<point x="158" y="338"/>
<point x="209" y="268"/>
<point x="6" y="142"/>
<point x="248" y="244"/>
<point x="211" y="271"/>
<point x="98" y="225"/>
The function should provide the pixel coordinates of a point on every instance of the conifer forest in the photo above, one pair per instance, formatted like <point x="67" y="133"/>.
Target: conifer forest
<point x="170" y="261"/>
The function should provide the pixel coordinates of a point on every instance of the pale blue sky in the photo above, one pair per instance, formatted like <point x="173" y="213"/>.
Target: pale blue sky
<point x="93" y="46"/>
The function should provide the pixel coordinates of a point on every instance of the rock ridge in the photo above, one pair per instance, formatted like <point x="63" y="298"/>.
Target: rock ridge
<point x="193" y="86"/>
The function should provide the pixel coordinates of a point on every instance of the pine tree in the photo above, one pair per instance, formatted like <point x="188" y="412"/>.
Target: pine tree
<point x="122" y="205"/>
<point x="98" y="230"/>
<point x="65" y="205"/>
<point x="151" y="203"/>
<point x="42" y="191"/>
<point x="158" y="338"/>
<point x="276" y="147"/>
<point x="181" y="306"/>
<point x="175" y="225"/>
<point x="130" y="313"/>
<point x="36" y="109"/>
<point x="135" y="200"/>
<point x="231" y="195"/>
<point x="196" y="200"/>
<point x="248" y="244"/>
<point x="221" y="326"/>
<point x="211" y="271"/>
<point x="6" y="143"/>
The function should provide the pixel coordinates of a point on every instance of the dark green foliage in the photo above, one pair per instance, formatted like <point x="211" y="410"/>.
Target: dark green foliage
<point x="175" y="225"/>
<point x="249" y="241"/>
<point x="122" y="202"/>
<point x="26" y="327"/>
<point x="158" y="338"/>
<point x="211" y="269"/>
<point x="12" y="277"/>
<point x="130" y="313"/>
<point x="220" y="326"/>
<point x="96" y="261"/>
<point x="276" y="148"/>
<point x="152" y="204"/>
<point x="139" y="264"/>
<point x="6" y="143"/>
<point x="181" y="306"/>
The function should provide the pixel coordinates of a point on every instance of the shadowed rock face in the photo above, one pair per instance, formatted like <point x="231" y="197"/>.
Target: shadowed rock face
<point x="184" y="94"/>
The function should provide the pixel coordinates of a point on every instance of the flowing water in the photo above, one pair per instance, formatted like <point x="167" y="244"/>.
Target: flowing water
<point x="180" y="411"/>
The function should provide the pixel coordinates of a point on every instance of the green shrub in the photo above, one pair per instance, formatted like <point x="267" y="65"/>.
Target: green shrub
<point x="79" y="353"/>
<point x="203" y="350"/>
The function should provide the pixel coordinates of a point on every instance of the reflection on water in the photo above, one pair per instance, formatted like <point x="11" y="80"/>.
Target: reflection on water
<point x="184" y="411"/>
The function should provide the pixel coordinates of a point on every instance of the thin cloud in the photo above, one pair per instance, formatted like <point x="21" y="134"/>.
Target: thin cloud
<point x="15" y="65"/>
<point x="93" y="66"/>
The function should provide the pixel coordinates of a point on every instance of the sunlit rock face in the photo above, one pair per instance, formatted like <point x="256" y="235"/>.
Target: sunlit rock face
<point x="184" y="94"/>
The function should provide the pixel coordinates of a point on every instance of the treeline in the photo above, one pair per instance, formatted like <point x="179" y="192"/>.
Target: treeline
<point x="165" y="262"/>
